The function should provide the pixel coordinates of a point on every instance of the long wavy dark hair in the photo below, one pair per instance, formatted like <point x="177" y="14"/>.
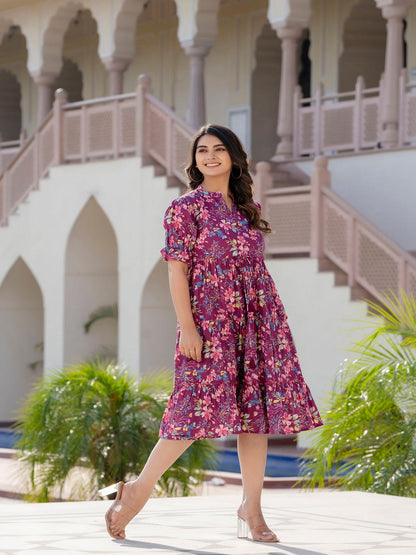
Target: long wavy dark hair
<point x="241" y="183"/>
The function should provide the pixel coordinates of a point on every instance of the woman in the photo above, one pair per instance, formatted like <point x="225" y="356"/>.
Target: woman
<point x="236" y="367"/>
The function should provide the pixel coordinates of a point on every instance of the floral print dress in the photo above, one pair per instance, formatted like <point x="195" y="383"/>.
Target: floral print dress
<point x="249" y="379"/>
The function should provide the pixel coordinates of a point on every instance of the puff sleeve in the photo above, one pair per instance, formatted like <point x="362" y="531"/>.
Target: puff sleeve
<point x="180" y="231"/>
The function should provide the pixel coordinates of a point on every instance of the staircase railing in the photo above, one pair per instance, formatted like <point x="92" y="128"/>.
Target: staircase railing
<point x="349" y="121"/>
<point x="314" y="220"/>
<point x="103" y="128"/>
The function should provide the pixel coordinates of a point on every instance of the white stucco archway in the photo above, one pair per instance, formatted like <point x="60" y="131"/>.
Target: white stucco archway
<point x="21" y="337"/>
<point x="91" y="281"/>
<point x="157" y="322"/>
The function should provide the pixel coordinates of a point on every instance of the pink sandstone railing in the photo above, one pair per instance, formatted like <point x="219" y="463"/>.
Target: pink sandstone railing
<point x="9" y="150"/>
<point x="314" y="220"/>
<point x="134" y="124"/>
<point x="350" y="121"/>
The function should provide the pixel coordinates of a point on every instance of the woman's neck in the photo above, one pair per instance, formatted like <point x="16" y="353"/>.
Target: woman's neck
<point x="216" y="184"/>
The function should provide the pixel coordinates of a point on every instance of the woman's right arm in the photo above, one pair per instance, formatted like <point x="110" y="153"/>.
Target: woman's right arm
<point x="190" y="342"/>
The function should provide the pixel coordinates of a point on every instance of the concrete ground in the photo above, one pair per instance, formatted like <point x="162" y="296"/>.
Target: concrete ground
<point x="322" y="522"/>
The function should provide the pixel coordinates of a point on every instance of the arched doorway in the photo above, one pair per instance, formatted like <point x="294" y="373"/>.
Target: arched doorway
<point x="21" y="337"/>
<point x="364" y="41"/>
<point x="70" y="79"/>
<point x="265" y="83"/>
<point x="157" y="322"/>
<point x="91" y="282"/>
<point x="10" y="111"/>
<point x="13" y="77"/>
<point x="72" y="36"/>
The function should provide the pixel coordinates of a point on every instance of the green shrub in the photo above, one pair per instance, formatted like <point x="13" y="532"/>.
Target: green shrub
<point x="368" y="441"/>
<point x="98" y="417"/>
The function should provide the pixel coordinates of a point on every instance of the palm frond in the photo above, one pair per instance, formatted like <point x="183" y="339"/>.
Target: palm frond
<point x="108" y="311"/>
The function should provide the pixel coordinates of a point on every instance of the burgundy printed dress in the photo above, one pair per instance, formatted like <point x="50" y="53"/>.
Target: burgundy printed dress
<point x="249" y="379"/>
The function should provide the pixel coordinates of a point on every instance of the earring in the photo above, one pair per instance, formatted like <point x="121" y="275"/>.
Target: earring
<point x="241" y="172"/>
<point x="195" y="174"/>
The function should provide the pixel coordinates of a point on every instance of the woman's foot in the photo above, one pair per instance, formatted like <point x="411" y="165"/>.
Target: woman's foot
<point x="259" y="530"/>
<point x="121" y="512"/>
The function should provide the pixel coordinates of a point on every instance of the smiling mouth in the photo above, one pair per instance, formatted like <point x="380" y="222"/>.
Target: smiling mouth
<point x="212" y="165"/>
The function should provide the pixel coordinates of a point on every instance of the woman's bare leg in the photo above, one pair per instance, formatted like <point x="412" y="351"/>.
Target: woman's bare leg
<point x="137" y="492"/>
<point x="252" y="453"/>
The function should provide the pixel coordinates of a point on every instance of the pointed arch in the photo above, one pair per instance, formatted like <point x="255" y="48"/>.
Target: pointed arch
<point x="363" y="46"/>
<point x="157" y="321"/>
<point x="10" y="106"/>
<point x="265" y="85"/>
<point x="21" y="336"/>
<point x="91" y="281"/>
<point x="56" y="27"/>
<point x="125" y="28"/>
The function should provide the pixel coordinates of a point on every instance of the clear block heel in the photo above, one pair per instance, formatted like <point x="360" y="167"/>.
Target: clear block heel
<point x="242" y="528"/>
<point x="109" y="489"/>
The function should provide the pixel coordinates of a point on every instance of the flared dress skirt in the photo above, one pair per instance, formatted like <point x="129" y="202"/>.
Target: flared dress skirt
<point x="249" y="379"/>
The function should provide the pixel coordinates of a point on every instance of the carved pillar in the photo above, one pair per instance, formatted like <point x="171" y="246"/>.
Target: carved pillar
<point x="196" y="116"/>
<point x="394" y="13"/>
<point x="116" y="68"/>
<point x="289" y="34"/>
<point x="44" y="81"/>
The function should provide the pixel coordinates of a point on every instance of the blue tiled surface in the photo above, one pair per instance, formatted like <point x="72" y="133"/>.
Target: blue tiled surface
<point x="7" y="439"/>
<point x="276" y="466"/>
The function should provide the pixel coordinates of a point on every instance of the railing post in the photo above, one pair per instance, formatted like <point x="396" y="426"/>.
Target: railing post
<point x="318" y="119"/>
<point x="22" y="137"/>
<point x="401" y="278"/>
<point x="296" y="115"/>
<point x="61" y="98"/>
<point x="5" y="199"/>
<point x="320" y="177"/>
<point x="402" y="106"/>
<point x="143" y="88"/>
<point x="351" y="251"/>
<point x="263" y="181"/>
<point x="358" y="110"/>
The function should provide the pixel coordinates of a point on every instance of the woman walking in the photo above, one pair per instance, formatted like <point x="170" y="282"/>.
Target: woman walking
<point x="236" y="367"/>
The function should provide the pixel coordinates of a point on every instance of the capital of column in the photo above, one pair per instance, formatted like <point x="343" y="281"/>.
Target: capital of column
<point x="200" y="49"/>
<point x="394" y="8"/>
<point x="288" y="30"/>
<point x="114" y="63"/>
<point x="44" y="78"/>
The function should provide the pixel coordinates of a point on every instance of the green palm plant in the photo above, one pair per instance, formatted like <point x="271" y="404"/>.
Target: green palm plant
<point x="368" y="441"/>
<point x="98" y="417"/>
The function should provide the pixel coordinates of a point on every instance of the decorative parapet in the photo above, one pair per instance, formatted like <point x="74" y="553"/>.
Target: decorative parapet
<point x="350" y="121"/>
<point x="103" y="128"/>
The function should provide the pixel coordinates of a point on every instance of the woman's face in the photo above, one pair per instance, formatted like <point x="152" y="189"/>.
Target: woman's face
<point x="212" y="158"/>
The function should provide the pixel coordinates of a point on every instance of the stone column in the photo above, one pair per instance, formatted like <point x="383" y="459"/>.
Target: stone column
<point x="289" y="35"/>
<point x="394" y="13"/>
<point x="196" y="116"/>
<point x="116" y="68"/>
<point x="44" y="81"/>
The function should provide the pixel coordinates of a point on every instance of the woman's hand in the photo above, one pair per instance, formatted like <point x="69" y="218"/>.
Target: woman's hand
<point x="190" y="343"/>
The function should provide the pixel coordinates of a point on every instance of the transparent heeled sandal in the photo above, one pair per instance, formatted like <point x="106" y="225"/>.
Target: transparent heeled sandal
<point x="243" y="529"/>
<point x="117" y="506"/>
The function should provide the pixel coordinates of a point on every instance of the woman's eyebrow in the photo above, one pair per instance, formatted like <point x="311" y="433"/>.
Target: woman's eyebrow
<point x="204" y="146"/>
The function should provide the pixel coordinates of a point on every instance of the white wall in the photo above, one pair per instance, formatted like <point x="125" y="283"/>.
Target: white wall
<point x="382" y="187"/>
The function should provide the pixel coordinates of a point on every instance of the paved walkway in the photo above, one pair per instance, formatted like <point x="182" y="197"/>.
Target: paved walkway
<point x="324" y="522"/>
